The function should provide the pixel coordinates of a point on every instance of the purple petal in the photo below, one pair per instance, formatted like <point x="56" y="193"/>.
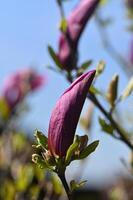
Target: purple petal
<point x="66" y="114"/>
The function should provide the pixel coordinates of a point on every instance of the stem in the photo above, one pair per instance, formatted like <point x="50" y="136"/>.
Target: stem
<point x="123" y="136"/>
<point x="66" y="187"/>
<point x="61" y="9"/>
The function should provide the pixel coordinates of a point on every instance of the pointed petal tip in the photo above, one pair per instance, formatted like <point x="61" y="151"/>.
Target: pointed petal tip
<point x="91" y="73"/>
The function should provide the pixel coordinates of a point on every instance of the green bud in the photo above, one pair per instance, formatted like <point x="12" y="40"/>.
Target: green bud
<point x="113" y="90"/>
<point x="100" y="68"/>
<point x="127" y="90"/>
<point x="75" y="186"/>
<point x="63" y="25"/>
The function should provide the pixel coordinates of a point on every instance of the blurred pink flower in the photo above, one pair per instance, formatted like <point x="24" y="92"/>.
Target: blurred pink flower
<point x="19" y="84"/>
<point x="131" y="53"/>
<point x="66" y="114"/>
<point x="76" y="24"/>
<point x="31" y="78"/>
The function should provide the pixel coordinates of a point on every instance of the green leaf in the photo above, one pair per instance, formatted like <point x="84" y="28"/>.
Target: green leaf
<point x="73" y="147"/>
<point x="55" y="57"/>
<point x="88" y="150"/>
<point x="56" y="184"/>
<point x="100" y="68"/>
<point x="103" y="2"/>
<point x="74" y="185"/>
<point x="4" y="109"/>
<point x="105" y="126"/>
<point x="84" y="66"/>
<point x="94" y="90"/>
<point x="37" y="159"/>
<point x="41" y="139"/>
<point x="63" y="25"/>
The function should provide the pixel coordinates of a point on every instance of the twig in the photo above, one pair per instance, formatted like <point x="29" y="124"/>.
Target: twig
<point x="122" y="135"/>
<point x="59" y="3"/>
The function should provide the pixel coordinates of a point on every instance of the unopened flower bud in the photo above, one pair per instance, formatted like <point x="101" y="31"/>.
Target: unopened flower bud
<point x="76" y="23"/>
<point x="66" y="114"/>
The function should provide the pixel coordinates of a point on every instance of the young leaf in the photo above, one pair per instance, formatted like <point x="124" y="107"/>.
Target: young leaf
<point x="94" y="90"/>
<point x="103" y="2"/>
<point x="74" y="185"/>
<point x="88" y="150"/>
<point x="55" y="57"/>
<point x="100" y="68"/>
<point x="63" y="25"/>
<point x="4" y="109"/>
<point x="84" y="66"/>
<point x="37" y="159"/>
<point x="73" y="147"/>
<point x="105" y="126"/>
<point x="41" y="139"/>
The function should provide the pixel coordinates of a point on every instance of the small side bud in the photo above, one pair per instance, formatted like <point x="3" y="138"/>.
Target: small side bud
<point x="113" y="90"/>
<point x="74" y="186"/>
<point x="63" y="25"/>
<point x="100" y="68"/>
<point x="128" y="89"/>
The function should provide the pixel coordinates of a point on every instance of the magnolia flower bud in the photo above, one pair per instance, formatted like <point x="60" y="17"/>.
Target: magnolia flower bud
<point x="76" y="23"/>
<point x="66" y="114"/>
<point x="19" y="84"/>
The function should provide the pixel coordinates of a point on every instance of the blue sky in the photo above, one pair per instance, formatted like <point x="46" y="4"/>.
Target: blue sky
<point x="27" y="27"/>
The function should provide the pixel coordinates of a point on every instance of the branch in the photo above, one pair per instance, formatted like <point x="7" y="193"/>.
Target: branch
<point x="59" y="3"/>
<point x="122" y="135"/>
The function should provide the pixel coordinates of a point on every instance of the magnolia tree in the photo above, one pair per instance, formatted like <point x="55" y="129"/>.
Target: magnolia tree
<point x="55" y="151"/>
<point x="63" y="145"/>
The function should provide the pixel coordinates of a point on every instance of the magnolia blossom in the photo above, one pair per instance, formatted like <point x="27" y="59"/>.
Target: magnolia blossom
<point x="66" y="114"/>
<point x="17" y="85"/>
<point x="75" y="25"/>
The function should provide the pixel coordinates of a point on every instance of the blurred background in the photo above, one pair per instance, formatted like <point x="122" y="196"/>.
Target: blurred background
<point x="27" y="28"/>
